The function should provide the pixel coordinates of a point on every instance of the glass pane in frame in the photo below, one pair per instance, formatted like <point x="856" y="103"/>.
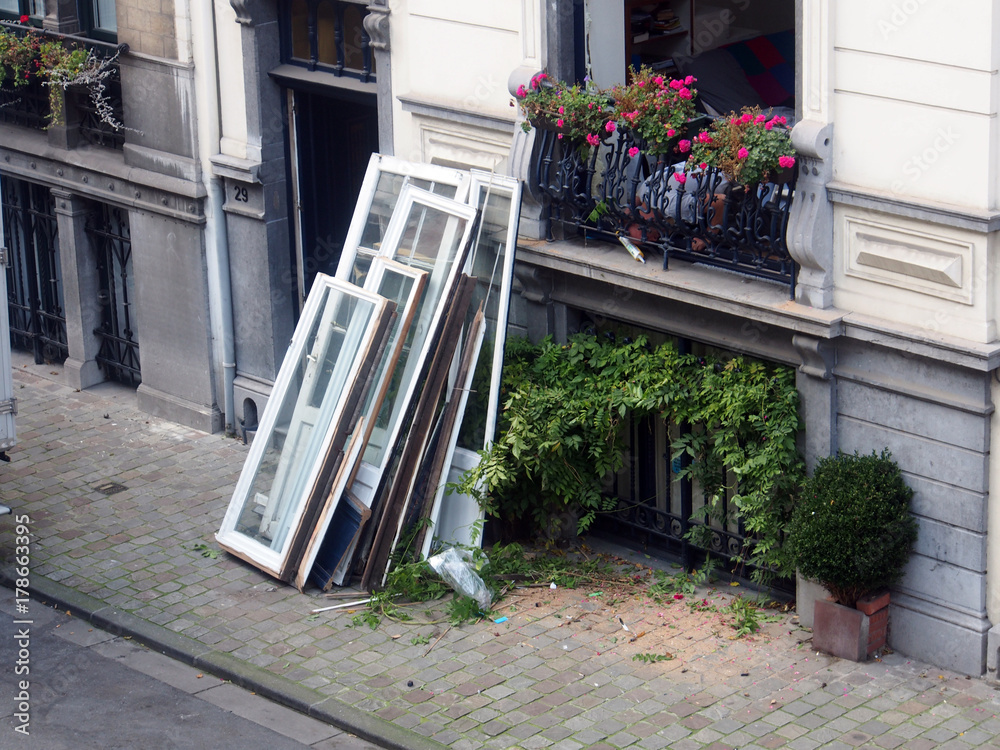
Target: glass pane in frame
<point x="299" y="15"/>
<point x="307" y="403"/>
<point x="326" y="31"/>
<point x="427" y="232"/>
<point x="491" y="262"/>
<point x="403" y="286"/>
<point x="383" y="183"/>
<point x="104" y="14"/>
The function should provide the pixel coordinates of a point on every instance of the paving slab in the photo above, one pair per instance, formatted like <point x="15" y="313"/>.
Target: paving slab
<point x="142" y="562"/>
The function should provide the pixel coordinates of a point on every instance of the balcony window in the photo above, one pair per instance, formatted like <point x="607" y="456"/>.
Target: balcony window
<point x="328" y="35"/>
<point x="621" y="190"/>
<point x="12" y="10"/>
<point x="98" y="20"/>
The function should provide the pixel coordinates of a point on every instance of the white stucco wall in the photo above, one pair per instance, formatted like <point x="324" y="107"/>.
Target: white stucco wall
<point x="914" y="105"/>
<point x="450" y="56"/>
<point x="232" y="99"/>
<point x="915" y="99"/>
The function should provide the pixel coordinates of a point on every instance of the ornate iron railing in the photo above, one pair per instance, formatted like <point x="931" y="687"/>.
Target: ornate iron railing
<point x="656" y="506"/>
<point x="605" y="191"/>
<point x="34" y="277"/>
<point x="28" y="105"/>
<point x="95" y="127"/>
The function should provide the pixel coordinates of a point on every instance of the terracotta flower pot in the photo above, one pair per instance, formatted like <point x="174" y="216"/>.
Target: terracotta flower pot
<point x="848" y="632"/>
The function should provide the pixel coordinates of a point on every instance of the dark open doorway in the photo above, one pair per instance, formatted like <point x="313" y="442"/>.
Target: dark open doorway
<point x="334" y="138"/>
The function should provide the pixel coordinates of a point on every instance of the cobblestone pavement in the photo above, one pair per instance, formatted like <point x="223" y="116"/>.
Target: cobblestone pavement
<point x="132" y="559"/>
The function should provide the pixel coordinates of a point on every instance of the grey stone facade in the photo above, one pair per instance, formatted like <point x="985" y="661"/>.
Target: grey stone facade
<point x="863" y="387"/>
<point x="155" y="178"/>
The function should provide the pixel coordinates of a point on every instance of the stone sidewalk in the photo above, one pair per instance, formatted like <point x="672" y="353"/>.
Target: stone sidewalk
<point x="123" y="508"/>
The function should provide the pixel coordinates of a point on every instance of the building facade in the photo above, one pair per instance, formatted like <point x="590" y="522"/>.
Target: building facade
<point x="108" y="218"/>
<point x="250" y="123"/>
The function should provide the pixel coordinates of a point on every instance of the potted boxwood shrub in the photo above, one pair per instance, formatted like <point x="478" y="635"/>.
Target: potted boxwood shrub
<point x="852" y="531"/>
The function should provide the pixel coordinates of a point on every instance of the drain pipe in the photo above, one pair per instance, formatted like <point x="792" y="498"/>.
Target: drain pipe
<point x="209" y="113"/>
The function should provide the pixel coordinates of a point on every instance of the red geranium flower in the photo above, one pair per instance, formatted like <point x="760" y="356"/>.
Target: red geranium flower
<point x="24" y="19"/>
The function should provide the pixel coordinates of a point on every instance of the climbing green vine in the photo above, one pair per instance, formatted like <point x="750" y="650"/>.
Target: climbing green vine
<point x="562" y="433"/>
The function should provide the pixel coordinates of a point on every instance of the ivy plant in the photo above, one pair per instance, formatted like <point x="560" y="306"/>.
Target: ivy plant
<point x="562" y="433"/>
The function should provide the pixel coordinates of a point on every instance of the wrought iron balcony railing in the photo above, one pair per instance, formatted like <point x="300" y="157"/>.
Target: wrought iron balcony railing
<point x="28" y="105"/>
<point x="604" y="192"/>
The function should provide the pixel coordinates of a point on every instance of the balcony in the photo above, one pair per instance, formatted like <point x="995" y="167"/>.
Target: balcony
<point x="605" y="193"/>
<point x="98" y="121"/>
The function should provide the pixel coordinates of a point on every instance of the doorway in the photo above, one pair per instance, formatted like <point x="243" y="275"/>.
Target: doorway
<point x="333" y="139"/>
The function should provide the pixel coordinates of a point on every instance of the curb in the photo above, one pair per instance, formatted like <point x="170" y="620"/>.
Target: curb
<point x="226" y="666"/>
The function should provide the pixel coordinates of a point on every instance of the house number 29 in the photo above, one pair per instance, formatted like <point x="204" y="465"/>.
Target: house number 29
<point x="240" y="194"/>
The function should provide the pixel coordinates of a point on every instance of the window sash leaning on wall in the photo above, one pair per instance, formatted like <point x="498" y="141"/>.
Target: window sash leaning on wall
<point x="405" y="287"/>
<point x="331" y="353"/>
<point x="401" y="240"/>
<point x="454" y="516"/>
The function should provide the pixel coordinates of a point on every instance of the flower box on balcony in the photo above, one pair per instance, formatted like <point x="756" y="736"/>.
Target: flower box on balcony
<point x="636" y="162"/>
<point x="33" y="60"/>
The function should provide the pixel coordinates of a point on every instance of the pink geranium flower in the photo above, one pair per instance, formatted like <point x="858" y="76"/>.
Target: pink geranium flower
<point x="559" y="123"/>
<point x="743" y="153"/>
<point x="610" y="126"/>
<point x="747" y="117"/>
<point x="684" y="146"/>
<point x="521" y="91"/>
<point x="562" y="110"/>
<point x="592" y="139"/>
<point x="634" y="151"/>
<point x="786" y="162"/>
<point x="684" y="93"/>
<point x="681" y="178"/>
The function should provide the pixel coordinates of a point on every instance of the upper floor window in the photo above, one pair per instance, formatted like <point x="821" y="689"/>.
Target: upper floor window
<point x="13" y="10"/>
<point x="741" y="52"/>
<point x="98" y="20"/>
<point x="328" y="35"/>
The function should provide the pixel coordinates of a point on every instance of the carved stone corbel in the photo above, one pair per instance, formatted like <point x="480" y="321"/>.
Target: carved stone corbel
<point x="817" y="356"/>
<point x="242" y="12"/>
<point x="810" y="225"/>
<point x="522" y="154"/>
<point x="376" y="25"/>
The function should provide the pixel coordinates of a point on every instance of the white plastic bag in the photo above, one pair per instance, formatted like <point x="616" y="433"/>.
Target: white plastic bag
<point x="457" y="569"/>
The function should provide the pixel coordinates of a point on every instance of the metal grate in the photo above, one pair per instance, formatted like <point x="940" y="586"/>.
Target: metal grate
<point x="110" y="488"/>
<point x="34" y="276"/>
<point x="108" y="229"/>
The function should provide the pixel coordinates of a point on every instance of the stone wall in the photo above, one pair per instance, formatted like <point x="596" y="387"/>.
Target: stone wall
<point x="148" y="27"/>
<point x="864" y="387"/>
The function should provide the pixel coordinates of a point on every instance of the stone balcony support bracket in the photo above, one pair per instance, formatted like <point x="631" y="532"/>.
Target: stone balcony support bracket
<point x="810" y="225"/>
